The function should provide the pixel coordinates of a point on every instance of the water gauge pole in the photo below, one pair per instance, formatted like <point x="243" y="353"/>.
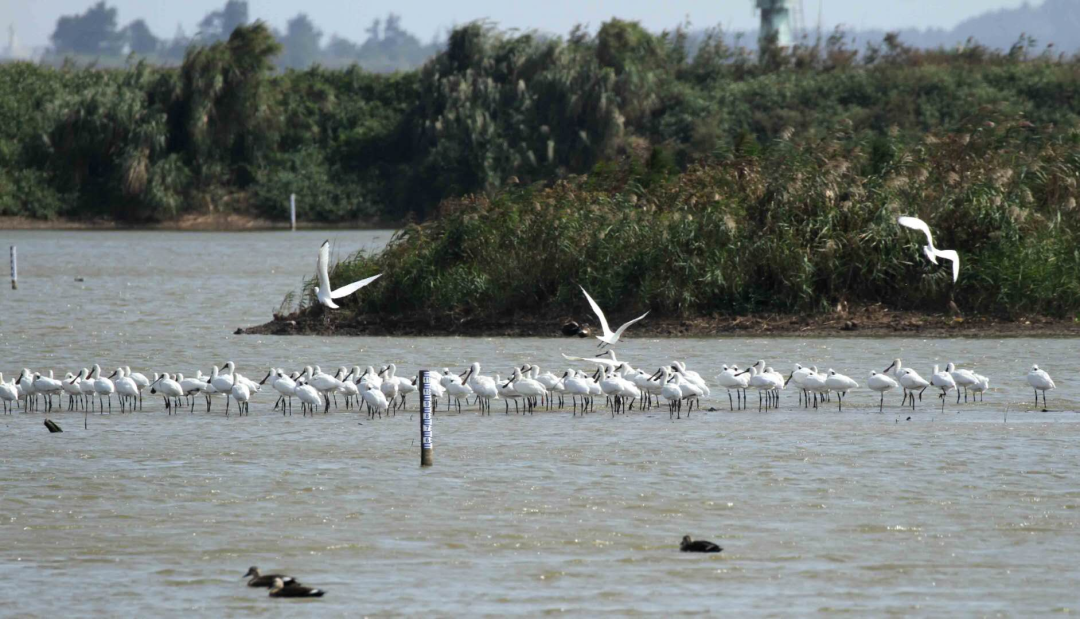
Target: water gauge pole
<point x="426" y="456"/>
<point x="14" y="271"/>
<point x="292" y="211"/>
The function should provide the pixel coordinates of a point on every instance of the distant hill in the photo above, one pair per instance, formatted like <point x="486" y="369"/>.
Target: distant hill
<point x="1054" y="21"/>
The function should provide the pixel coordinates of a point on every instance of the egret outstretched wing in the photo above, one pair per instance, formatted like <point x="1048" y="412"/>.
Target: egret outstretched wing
<point x="353" y="287"/>
<point x="619" y="333"/>
<point x="323" y="265"/>
<point x="599" y="314"/>
<point x="949" y="254"/>
<point x="598" y="361"/>
<point x="917" y="224"/>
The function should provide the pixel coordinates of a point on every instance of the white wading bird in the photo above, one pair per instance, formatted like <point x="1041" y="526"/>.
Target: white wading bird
<point x="323" y="292"/>
<point x="943" y="381"/>
<point x="931" y="252"/>
<point x="1040" y="381"/>
<point x="881" y="383"/>
<point x="608" y="338"/>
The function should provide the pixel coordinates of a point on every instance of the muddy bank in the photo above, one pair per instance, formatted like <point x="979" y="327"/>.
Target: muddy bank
<point x="864" y="322"/>
<point x="206" y="222"/>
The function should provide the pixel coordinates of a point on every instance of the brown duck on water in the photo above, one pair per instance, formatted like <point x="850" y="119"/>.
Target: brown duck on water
<point x="265" y="580"/>
<point x="294" y="590"/>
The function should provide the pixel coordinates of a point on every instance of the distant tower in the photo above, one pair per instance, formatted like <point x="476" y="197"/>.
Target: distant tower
<point x="13" y="51"/>
<point x="780" y="18"/>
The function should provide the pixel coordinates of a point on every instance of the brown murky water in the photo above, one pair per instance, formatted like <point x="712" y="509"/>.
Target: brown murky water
<point x="953" y="512"/>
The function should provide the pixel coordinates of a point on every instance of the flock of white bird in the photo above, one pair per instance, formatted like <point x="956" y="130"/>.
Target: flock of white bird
<point x="383" y="391"/>
<point x="380" y="392"/>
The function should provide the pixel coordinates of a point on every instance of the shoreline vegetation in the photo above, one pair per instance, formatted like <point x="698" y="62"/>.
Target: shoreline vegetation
<point x="860" y="322"/>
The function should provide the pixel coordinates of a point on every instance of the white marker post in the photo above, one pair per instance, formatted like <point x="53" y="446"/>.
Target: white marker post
<point x="292" y="211"/>
<point x="426" y="456"/>
<point x="14" y="270"/>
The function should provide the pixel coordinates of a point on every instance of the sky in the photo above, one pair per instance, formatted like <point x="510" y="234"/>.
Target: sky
<point x="35" y="20"/>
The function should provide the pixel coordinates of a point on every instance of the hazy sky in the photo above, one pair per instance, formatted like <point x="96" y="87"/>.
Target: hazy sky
<point x="35" y="19"/>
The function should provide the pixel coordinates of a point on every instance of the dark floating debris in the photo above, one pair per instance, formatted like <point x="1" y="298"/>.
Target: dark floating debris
<point x="294" y="590"/>
<point x="239" y="331"/>
<point x="51" y="425"/>
<point x="80" y="279"/>
<point x="571" y="329"/>
<point x="689" y="545"/>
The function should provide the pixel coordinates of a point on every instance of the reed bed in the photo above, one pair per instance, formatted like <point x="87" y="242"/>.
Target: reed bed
<point x="791" y="226"/>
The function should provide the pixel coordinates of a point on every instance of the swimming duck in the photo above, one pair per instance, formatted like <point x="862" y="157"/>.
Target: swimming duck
<point x="689" y="545"/>
<point x="265" y="580"/>
<point x="294" y="590"/>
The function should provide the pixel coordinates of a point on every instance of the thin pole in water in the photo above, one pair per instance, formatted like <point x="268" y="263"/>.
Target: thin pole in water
<point x="292" y="211"/>
<point x="14" y="270"/>
<point x="426" y="456"/>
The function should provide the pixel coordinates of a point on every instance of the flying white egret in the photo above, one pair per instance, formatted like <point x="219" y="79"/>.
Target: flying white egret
<point x="323" y="292"/>
<point x="931" y="252"/>
<point x="608" y="338"/>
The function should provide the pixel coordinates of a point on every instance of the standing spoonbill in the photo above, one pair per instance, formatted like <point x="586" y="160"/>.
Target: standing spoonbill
<point x="223" y="383"/>
<point x="881" y="383"/>
<point x="241" y="392"/>
<point x="608" y="338"/>
<point x="909" y="380"/>
<point x="671" y="392"/>
<point x="963" y="378"/>
<point x="932" y="252"/>
<point x="104" y="386"/>
<point x="841" y="385"/>
<point x="576" y="386"/>
<point x="1040" y="381"/>
<point x="310" y="399"/>
<point x="375" y="400"/>
<point x="978" y="390"/>
<point x="8" y="393"/>
<point x="731" y="378"/>
<point x="169" y="389"/>
<point x="322" y="291"/>
<point x="943" y="381"/>
<point x="141" y="381"/>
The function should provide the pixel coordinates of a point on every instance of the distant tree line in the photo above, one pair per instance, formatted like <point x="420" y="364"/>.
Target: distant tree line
<point x="227" y="131"/>
<point x="96" y="37"/>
